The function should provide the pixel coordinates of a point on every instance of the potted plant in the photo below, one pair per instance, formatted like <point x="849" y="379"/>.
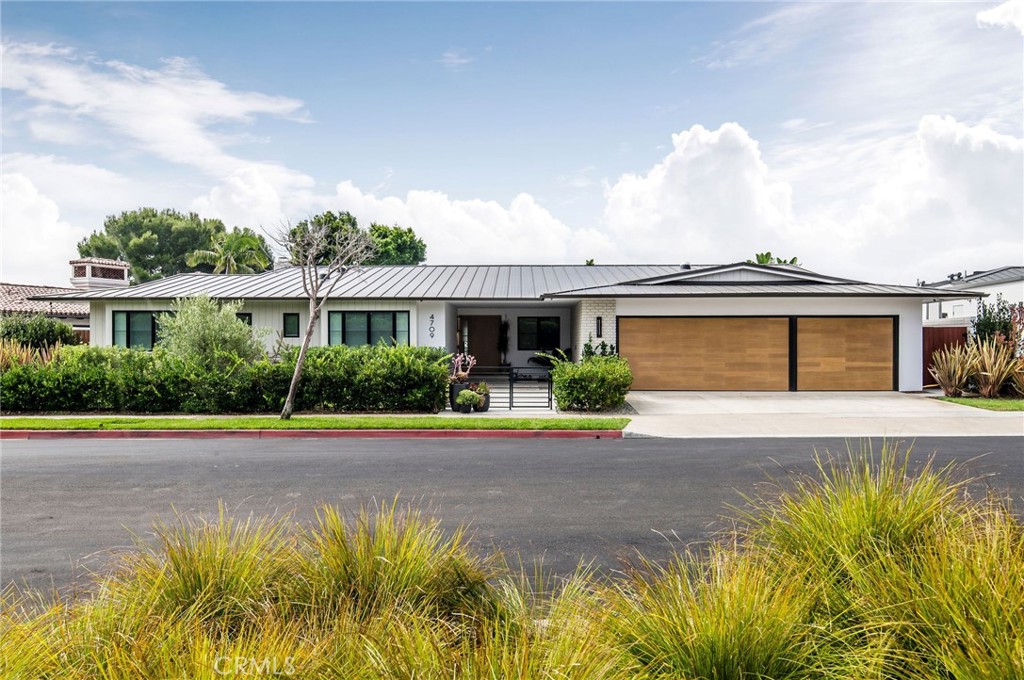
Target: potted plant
<point x="484" y="391"/>
<point x="462" y="364"/>
<point x="466" y="401"/>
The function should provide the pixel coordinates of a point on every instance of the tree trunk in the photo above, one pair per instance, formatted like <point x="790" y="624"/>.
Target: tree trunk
<point x="289" y="402"/>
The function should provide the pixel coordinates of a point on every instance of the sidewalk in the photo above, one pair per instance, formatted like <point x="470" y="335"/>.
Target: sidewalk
<point x="811" y="414"/>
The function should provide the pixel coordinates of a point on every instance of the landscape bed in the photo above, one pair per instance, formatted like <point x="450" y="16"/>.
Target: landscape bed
<point x="331" y="422"/>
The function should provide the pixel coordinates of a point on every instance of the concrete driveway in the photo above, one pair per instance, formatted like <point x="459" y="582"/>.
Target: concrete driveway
<point x="811" y="414"/>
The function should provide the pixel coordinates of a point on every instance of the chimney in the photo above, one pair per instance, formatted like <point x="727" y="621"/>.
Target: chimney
<point x="282" y="262"/>
<point x="91" y="273"/>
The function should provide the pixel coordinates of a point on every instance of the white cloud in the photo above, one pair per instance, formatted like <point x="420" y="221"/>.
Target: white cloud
<point x="456" y="60"/>
<point x="168" y="112"/>
<point x="1010" y="14"/>
<point x="710" y="199"/>
<point x="35" y="243"/>
<point x="769" y="36"/>
<point x="468" y="231"/>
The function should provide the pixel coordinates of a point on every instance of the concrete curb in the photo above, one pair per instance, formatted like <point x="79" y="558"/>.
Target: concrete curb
<point x="310" y="434"/>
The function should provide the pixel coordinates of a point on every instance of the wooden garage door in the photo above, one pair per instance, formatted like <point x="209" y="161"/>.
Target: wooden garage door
<point x="706" y="353"/>
<point x="844" y="353"/>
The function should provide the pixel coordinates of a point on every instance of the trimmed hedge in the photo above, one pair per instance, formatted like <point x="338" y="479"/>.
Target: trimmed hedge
<point x="338" y="379"/>
<point x="597" y="383"/>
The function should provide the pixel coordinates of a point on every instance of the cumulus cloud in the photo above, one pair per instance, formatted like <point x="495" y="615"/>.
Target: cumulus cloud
<point x="461" y="231"/>
<point x="954" y="201"/>
<point x="1010" y="14"/>
<point x="711" y="198"/>
<point x="35" y="242"/>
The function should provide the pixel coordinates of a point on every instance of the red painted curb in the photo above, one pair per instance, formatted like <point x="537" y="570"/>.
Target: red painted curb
<point x="310" y="434"/>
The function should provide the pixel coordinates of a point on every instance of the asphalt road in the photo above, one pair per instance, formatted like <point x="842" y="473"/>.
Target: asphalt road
<point x="67" y="504"/>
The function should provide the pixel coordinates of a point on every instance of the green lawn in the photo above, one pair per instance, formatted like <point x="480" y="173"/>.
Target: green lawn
<point x="310" y="423"/>
<point x="988" y="404"/>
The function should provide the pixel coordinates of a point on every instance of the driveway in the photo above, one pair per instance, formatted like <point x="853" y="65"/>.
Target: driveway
<point x="809" y="414"/>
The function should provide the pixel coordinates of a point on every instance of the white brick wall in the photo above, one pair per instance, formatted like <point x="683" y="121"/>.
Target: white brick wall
<point x="585" y="315"/>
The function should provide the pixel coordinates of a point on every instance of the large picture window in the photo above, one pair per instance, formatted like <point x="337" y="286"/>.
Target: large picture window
<point x="539" y="332"/>
<point x="135" y="329"/>
<point x="367" y="328"/>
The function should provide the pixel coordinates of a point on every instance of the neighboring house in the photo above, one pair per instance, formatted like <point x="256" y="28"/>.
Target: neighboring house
<point x="1005" y="281"/>
<point x="17" y="298"/>
<point x="724" y="327"/>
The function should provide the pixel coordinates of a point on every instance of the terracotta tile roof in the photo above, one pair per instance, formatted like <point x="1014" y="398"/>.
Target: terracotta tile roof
<point x="14" y="300"/>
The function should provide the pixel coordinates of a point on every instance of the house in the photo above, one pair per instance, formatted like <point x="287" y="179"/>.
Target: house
<point x="1006" y="281"/>
<point x="739" y="326"/>
<point x="17" y="298"/>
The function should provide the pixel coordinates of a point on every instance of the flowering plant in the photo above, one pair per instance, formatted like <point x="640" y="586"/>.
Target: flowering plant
<point x="462" y="364"/>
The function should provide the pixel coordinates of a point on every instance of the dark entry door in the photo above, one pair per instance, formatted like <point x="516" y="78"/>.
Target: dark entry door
<point x="482" y="334"/>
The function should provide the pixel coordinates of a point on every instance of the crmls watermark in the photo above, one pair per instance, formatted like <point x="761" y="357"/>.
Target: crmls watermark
<point x="248" y="665"/>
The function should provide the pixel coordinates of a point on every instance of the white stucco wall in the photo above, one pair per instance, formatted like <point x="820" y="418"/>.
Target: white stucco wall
<point x="966" y="309"/>
<point x="908" y="311"/>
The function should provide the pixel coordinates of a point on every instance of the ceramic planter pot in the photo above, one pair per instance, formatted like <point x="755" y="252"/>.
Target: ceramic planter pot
<point x="484" y="404"/>
<point x="453" y="391"/>
<point x="464" y="408"/>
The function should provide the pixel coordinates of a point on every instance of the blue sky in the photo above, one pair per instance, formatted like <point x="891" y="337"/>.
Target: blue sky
<point x="857" y="137"/>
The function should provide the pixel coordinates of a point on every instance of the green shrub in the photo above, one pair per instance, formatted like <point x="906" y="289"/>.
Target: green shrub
<point x="994" y="318"/>
<point x="208" y="333"/>
<point x="597" y="383"/>
<point x="379" y="378"/>
<point x="37" y="331"/>
<point x="347" y="379"/>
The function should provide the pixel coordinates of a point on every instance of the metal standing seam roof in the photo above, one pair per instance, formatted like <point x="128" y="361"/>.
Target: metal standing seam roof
<point x="421" y="282"/>
<point x="1000" y="275"/>
<point x="493" y="282"/>
<point x="759" y="290"/>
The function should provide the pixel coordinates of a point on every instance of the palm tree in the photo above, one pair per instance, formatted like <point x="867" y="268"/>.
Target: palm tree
<point x="234" y="252"/>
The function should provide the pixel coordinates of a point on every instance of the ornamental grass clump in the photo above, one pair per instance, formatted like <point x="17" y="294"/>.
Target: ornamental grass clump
<point x="994" y="364"/>
<point x="952" y="367"/>
<point x="728" y="616"/>
<point x="392" y="557"/>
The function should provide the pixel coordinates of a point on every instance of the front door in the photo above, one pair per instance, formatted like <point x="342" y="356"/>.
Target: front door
<point x="482" y="335"/>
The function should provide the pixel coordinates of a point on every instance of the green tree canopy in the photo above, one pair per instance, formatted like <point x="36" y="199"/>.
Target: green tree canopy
<point x="768" y="258"/>
<point x="239" y="251"/>
<point x="155" y="243"/>
<point x="392" y="244"/>
<point x="396" y="245"/>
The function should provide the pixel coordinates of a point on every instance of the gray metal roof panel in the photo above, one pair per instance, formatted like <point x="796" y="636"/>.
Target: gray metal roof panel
<point x="758" y="290"/>
<point x="457" y="282"/>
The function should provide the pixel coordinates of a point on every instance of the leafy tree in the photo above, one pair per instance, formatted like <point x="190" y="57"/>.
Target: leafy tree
<point x="155" y="243"/>
<point x="996" y="318"/>
<point x="240" y="251"/>
<point x="768" y="258"/>
<point x="207" y="332"/>
<point x="37" y="331"/>
<point x="396" y="245"/>
<point x="325" y="250"/>
<point x="392" y="245"/>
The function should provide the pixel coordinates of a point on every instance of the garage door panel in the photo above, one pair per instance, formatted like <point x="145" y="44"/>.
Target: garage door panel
<point x="849" y="353"/>
<point x="670" y="353"/>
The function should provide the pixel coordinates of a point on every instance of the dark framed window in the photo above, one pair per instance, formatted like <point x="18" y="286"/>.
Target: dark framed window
<point x="367" y="328"/>
<point x="539" y="332"/>
<point x="291" y="325"/>
<point x="135" y="329"/>
<point x="245" y="317"/>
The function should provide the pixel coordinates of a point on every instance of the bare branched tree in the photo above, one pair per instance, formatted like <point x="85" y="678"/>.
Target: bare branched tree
<point x="324" y="256"/>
